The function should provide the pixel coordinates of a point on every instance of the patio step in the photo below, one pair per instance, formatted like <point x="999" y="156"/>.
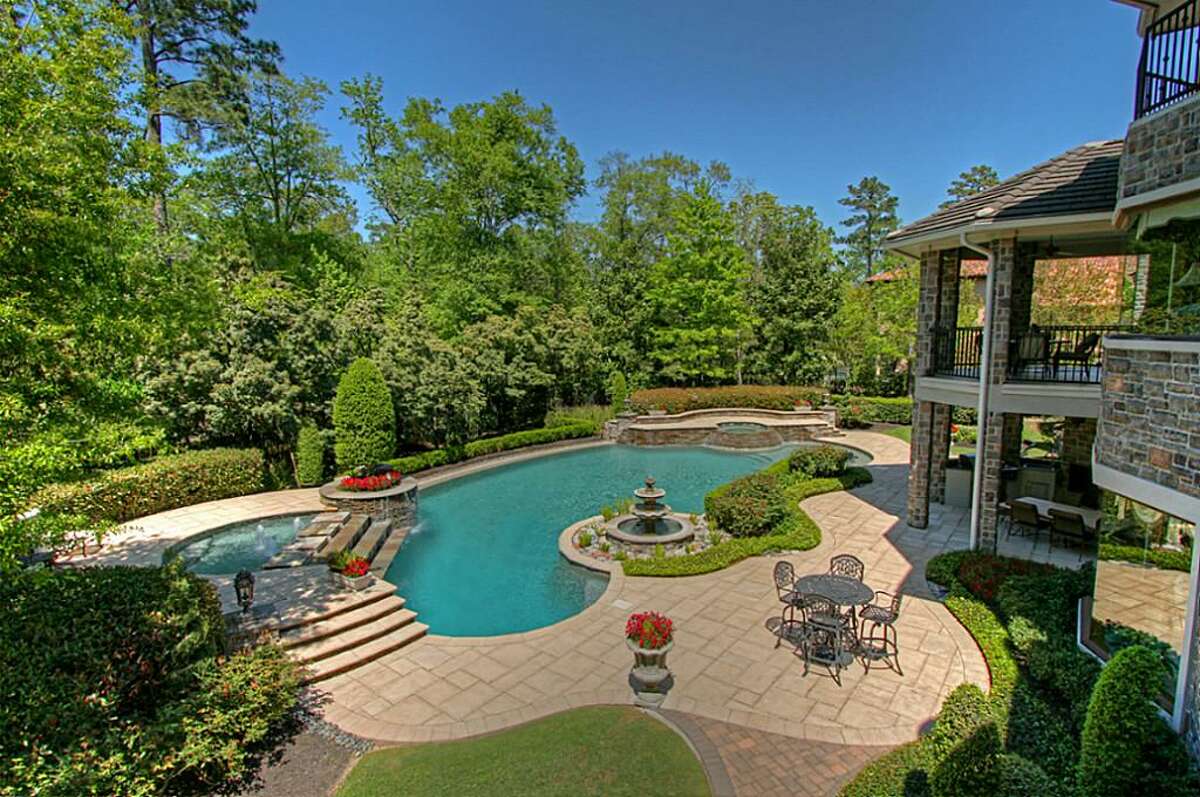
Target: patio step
<point x="346" y="536"/>
<point x="364" y="653"/>
<point x="387" y="552"/>
<point x="373" y="539"/>
<point x="355" y="616"/>
<point x="347" y="603"/>
<point x="350" y="639"/>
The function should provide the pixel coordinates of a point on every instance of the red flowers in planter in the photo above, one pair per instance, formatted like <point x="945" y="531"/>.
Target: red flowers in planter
<point x="369" y="484"/>
<point x="650" y="630"/>
<point x="355" y="567"/>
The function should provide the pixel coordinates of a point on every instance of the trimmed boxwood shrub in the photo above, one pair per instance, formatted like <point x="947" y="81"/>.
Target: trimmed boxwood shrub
<point x="1163" y="560"/>
<point x="415" y="463"/>
<point x="970" y="768"/>
<point x="1126" y="748"/>
<point x="861" y="410"/>
<point x="114" y="684"/>
<point x="1017" y="776"/>
<point x="819" y="462"/>
<point x="964" y="710"/>
<point x="747" y="507"/>
<point x="364" y="421"/>
<point x="165" y="483"/>
<point x="310" y="456"/>
<point x="760" y="397"/>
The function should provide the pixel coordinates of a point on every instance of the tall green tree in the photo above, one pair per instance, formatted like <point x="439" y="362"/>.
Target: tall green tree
<point x="697" y="292"/>
<point x="476" y="197"/>
<point x="190" y="52"/>
<point x="972" y="181"/>
<point x="641" y="201"/>
<point x="794" y="289"/>
<point x="872" y="216"/>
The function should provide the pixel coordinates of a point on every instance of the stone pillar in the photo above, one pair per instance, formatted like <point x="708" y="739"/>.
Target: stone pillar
<point x="939" y="449"/>
<point x="1013" y="286"/>
<point x="1078" y="436"/>
<point x="928" y="307"/>
<point x="919" y="464"/>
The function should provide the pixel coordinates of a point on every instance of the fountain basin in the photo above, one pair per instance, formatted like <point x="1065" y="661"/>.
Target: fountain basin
<point x="667" y="529"/>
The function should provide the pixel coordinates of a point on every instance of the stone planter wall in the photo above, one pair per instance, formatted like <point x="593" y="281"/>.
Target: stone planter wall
<point x="398" y="504"/>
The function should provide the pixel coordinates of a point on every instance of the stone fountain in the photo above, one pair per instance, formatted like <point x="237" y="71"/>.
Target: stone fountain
<point x="650" y="522"/>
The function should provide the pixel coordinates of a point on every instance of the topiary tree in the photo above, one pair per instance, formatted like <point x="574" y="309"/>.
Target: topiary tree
<point x="364" y="422"/>
<point x="1126" y="748"/>
<point x="618" y="391"/>
<point x="310" y="456"/>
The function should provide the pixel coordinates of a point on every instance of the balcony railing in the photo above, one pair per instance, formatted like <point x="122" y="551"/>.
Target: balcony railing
<point x="1169" y="69"/>
<point x="1059" y="354"/>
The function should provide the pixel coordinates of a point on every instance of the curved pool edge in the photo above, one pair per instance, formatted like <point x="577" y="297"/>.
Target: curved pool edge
<point x="173" y="548"/>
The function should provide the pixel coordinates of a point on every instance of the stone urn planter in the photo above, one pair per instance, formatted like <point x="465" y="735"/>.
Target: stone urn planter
<point x="648" y="635"/>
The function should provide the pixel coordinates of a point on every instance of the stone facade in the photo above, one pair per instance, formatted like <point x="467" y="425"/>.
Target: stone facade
<point x="1079" y="434"/>
<point x="398" y="504"/>
<point x="1161" y="150"/>
<point x="1150" y="416"/>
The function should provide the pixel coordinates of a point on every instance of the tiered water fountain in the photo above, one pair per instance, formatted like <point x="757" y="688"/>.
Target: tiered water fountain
<point x="650" y="522"/>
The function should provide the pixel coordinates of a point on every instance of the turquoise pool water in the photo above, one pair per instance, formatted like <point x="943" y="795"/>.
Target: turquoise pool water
<point x="240" y="545"/>
<point x="483" y="558"/>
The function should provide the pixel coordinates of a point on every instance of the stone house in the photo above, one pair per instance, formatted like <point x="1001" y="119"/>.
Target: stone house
<point x="1130" y="402"/>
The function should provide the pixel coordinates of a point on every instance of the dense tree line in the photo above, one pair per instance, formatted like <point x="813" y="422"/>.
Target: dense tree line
<point x="183" y="265"/>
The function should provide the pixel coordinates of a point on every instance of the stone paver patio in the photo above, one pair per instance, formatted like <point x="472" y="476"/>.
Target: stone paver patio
<point x="727" y="668"/>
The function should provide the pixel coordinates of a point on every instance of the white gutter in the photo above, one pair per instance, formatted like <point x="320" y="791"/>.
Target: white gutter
<point x="985" y="386"/>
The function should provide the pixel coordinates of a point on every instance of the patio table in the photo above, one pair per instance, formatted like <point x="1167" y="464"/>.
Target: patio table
<point x="1091" y="517"/>
<point x="843" y="591"/>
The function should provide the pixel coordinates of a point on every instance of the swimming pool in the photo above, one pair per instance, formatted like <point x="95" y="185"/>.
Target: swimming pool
<point x="240" y="546"/>
<point x="483" y="558"/>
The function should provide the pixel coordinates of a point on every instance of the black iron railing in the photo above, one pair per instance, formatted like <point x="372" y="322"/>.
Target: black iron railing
<point x="1169" y="69"/>
<point x="1042" y="354"/>
<point x="957" y="351"/>
<point x="1059" y="354"/>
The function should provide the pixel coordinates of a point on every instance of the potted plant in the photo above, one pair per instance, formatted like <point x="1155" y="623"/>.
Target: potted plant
<point x="350" y="571"/>
<point x="650" y="636"/>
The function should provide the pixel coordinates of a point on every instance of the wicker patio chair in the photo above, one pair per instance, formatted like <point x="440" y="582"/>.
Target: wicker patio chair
<point x="1069" y="527"/>
<point x="1023" y="518"/>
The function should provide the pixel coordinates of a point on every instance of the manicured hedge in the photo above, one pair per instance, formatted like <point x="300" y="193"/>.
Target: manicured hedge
<point x="114" y="684"/>
<point x="859" y="410"/>
<point x="364" y="421"/>
<point x="796" y="532"/>
<point x="415" y="463"/>
<point x="819" y="462"/>
<point x="1123" y="750"/>
<point x="761" y="397"/>
<point x="165" y="483"/>
<point x="310" y="456"/>
<point x="1163" y="560"/>
<point x="747" y="507"/>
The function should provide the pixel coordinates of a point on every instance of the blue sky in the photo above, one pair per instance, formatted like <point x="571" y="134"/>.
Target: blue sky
<point x="800" y="97"/>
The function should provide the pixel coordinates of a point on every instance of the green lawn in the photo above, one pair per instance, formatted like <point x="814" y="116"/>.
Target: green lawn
<point x="604" y="750"/>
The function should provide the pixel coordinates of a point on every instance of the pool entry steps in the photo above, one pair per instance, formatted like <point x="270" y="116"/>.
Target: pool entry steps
<point x="357" y="629"/>
<point x="375" y="539"/>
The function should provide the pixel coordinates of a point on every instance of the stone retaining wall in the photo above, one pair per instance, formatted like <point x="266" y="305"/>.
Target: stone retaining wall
<point x="398" y="504"/>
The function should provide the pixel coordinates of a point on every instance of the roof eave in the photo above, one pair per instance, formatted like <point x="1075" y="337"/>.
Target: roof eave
<point x="1075" y="223"/>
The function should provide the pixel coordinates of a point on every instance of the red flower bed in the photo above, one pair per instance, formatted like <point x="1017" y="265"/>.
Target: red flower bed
<point x="983" y="575"/>
<point x="357" y="566"/>
<point x="369" y="484"/>
<point x="650" y="630"/>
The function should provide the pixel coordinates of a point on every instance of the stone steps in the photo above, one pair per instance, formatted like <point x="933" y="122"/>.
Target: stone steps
<point x="356" y="615"/>
<point x="364" y="653"/>
<point x="350" y="639"/>
<point x="387" y="552"/>
<point x="346" y="537"/>
<point x="347" y="602"/>
<point x="371" y="541"/>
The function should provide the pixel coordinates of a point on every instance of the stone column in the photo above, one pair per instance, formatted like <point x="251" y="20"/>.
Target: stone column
<point x="1013" y="287"/>
<point x="939" y="449"/>
<point x="920" y="460"/>
<point x="1078" y="436"/>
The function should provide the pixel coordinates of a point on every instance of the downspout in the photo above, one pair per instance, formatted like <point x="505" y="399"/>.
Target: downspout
<point x="985" y="386"/>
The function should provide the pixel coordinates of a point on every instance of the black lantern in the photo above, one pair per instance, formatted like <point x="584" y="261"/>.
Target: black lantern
<point x="243" y="585"/>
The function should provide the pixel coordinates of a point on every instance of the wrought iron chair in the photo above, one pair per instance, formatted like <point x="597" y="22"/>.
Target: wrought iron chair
<point x="881" y="642"/>
<point x="845" y="564"/>
<point x="1081" y="355"/>
<point x="1069" y="527"/>
<point x="826" y="637"/>
<point x="1023" y="518"/>
<point x="785" y="579"/>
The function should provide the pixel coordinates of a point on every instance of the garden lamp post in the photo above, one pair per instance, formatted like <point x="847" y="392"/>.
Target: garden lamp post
<point x="243" y="585"/>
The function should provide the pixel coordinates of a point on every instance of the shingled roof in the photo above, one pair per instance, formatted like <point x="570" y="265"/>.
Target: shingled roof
<point x="1081" y="180"/>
